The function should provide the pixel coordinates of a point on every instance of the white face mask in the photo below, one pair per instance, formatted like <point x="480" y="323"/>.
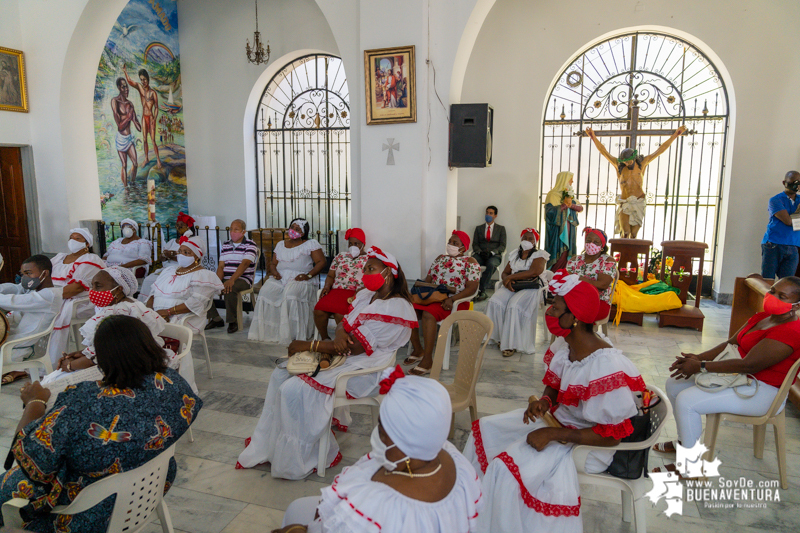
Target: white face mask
<point x="379" y="450"/>
<point x="526" y="245"/>
<point x="453" y="251"/>
<point x="354" y="251"/>
<point x="185" y="260"/>
<point x="127" y="232"/>
<point x="75" y="246"/>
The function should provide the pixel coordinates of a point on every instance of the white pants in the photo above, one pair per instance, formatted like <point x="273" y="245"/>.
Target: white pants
<point x="690" y="403"/>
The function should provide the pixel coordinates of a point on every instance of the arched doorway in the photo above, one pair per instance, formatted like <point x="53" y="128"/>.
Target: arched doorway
<point x="302" y="136"/>
<point x="675" y="83"/>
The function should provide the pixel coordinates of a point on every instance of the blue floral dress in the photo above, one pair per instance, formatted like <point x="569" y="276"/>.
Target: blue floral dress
<point x="92" y="432"/>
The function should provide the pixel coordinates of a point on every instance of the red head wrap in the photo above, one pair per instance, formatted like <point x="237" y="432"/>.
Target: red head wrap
<point x="463" y="237"/>
<point x="582" y="298"/>
<point x="186" y="219"/>
<point x="530" y="230"/>
<point x="384" y="257"/>
<point x="600" y="233"/>
<point x="356" y="233"/>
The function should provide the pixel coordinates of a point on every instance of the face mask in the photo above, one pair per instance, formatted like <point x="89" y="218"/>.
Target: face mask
<point x="294" y="234"/>
<point x="236" y="235"/>
<point x="774" y="306"/>
<point x="554" y="326"/>
<point x="379" y="450"/>
<point x="185" y="261"/>
<point x="373" y="282"/>
<point x="30" y="284"/>
<point x="526" y="245"/>
<point x="488" y="219"/>
<point x="101" y="298"/>
<point x="592" y="248"/>
<point x="453" y="251"/>
<point x="354" y="251"/>
<point x="127" y="232"/>
<point x="75" y="246"/>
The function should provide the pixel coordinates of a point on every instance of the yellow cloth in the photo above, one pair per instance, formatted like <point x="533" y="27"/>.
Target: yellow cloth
<point x="628" y="299"/>
<point x="562" y="182"/>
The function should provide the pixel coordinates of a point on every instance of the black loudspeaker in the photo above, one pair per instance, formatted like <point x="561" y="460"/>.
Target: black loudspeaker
<point x="470" y="135"/>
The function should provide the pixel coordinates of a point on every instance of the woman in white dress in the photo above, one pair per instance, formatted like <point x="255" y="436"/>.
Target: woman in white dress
<point x="413" y="480"/>
<point x="187" y="289"/>
<point x="529" y="478"/>
<point x="74" y="272"/>
<point x="130" y="250"/>
<point x="285" y="305"/>
<point x="515" y="313"/>
<point x="111" y="292"/>
<point x="297" y="410"/>
<point x="169" y="253"/>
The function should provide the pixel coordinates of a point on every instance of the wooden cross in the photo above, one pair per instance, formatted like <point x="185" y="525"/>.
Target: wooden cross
<point x="634" y="130"/>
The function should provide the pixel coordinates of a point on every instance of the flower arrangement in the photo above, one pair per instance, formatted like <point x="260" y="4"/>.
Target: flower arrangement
<point x="566" y="197"/>
<point x="654" y="269"/>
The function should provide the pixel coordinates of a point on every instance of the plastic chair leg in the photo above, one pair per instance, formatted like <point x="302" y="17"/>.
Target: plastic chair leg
<point x="239" y="312"/>
<point x="322" y="458"/>
<point x="780" y="447"/>
<point x="164" y="517"/>
<point x="639" y="516"/>
<point x="446" y="362"/>
<point x="208" y="356"/>
<point x="376" y="413"/>
<point x="191" y="435"/>
<point x="759" y="436"/>
<point x="627" y="506"/>
<point x="473" y="408"/>
<point x="452" y="426"/>
<point x="605" y="329"/>
<point x="712" y="428"/>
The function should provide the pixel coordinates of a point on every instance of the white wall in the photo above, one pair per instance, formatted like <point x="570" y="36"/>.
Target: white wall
<point x="14" y="127"/>
<point x="755" y="42"/>
<point x="217" y="84"/>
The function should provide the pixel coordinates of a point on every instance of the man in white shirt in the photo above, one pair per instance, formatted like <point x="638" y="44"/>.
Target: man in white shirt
<point x="31" y="306"/>
<point x="488" y="245"/>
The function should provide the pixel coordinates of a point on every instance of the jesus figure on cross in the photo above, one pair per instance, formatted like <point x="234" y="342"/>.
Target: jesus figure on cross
<point x="630" y="168"/>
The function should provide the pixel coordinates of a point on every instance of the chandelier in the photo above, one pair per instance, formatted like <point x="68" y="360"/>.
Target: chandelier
<point x="256" y="54"/>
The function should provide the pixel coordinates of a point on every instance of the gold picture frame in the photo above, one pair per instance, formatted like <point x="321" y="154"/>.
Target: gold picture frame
<point x="13" y="85"/>
<point x="390" y="83"/>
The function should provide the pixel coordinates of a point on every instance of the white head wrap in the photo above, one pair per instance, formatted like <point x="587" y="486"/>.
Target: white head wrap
<point x="384" y="257"/>
<point x="416" y="414"/>
<point x="85" y="234"/>
<point x="196" y="244"/>
<point x="125" y="278"/>
<point x="302" y="223"/>
<point x="131" y="222"/>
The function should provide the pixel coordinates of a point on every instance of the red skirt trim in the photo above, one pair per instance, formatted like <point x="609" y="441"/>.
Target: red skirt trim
<point x="547" y="509"/>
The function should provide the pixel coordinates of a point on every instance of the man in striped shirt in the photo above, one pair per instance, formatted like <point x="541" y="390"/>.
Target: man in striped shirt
<point x="237" y="267"/>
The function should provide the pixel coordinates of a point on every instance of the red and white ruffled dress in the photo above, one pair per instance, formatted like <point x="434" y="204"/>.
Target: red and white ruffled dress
<point x="527" y="490"/>
<point x="356" y="504"/>
<point x="297" y="409"/>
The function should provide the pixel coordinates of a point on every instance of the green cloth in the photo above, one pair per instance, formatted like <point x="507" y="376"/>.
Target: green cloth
<point x="658" y="288"/>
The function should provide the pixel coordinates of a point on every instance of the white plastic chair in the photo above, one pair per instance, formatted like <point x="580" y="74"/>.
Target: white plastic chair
<point x="499" y="268"/>
<point x="340" y="399"/>
<point x="184" y="336"/>
<point x="140" y="494"/>
<point x="760" y="423"/>
<point x="32" y="364"/>
<point x="251" y="295"/>
<point x="202" y="334"/>
<point x="633" y="490"/>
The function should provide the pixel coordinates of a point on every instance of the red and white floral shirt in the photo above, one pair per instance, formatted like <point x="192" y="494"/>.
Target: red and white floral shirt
<point x="604" y="264"/>
<point x="454" y="272"/>
<point x="348" y="271"/>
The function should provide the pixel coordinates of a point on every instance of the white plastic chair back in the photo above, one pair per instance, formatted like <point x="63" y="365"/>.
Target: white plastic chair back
<point x="33" y="363"/>
<point x="183" y="334"/>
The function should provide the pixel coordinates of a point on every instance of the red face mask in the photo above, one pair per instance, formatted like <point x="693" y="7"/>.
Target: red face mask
<point x="775" y="306"/>
<point x="554" y="326"/>
<point x="373" y="282"/>
<point x="101" y="298"/>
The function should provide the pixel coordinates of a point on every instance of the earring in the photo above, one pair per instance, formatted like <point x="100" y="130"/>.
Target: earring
<point x="574" y="323"/>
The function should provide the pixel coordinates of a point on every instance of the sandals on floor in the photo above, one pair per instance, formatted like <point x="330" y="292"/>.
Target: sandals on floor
<point x="508" y="353"/>
<point x="11" y="377"/>
<point x="417" y="371"/>
<point x="412" y="360"/>
<point x="661" y="447"/>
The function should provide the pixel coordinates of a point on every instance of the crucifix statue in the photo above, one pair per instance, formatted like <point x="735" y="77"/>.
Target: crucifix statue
<point x="630" y="168"/>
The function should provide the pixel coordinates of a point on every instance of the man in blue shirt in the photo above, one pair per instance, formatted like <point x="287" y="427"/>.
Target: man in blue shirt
<point x="779" y="255"/>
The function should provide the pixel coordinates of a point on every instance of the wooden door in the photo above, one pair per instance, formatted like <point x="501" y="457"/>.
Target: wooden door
<point x="14" y="242"/>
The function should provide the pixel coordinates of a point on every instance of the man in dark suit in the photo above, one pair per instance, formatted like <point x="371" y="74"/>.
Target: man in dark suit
<point x="488" y="245"/>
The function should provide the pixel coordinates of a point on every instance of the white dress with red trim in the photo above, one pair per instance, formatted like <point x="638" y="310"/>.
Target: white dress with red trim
<point x="147" y="284"/>
<point x="285" y="307"/>
<point x="356" y="504"/>
<point x="515" y="313"/>
<point x="81" y="271"/>
<point x="196" y="289"/>
<point x="297" y="409"/>
<point x="528" y="490"/>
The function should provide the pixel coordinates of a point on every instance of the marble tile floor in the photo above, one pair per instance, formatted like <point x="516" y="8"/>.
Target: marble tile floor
<point x="210" y="496"/>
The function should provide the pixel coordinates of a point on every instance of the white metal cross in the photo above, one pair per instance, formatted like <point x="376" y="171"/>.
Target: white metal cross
<point x="390" y="145"/>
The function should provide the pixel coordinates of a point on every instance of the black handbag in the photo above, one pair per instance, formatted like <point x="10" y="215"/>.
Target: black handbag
<point x="629" y="464"/>
<point x="535" y="283"/>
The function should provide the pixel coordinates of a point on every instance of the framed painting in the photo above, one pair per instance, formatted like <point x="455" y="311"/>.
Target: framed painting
<point x="390" y="82"/>
<point x="13" y="92"/>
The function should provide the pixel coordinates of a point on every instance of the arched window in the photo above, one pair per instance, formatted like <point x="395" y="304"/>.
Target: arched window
<point x="673" y="83"/>
<point x="302" y="140"/>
